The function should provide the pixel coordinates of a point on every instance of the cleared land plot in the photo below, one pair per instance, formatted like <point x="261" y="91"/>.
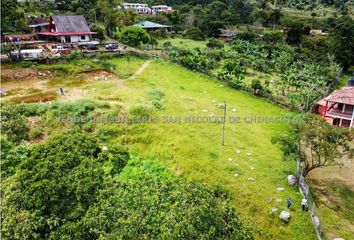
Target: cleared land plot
<point x="248" y="166"/>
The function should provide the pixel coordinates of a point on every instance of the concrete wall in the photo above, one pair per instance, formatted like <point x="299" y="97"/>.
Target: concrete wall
<point x="76" y="38"/>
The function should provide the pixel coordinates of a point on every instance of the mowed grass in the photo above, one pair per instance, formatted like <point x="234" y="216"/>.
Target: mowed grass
<point x="194" y="151"/>
<point x="182" y="42"/>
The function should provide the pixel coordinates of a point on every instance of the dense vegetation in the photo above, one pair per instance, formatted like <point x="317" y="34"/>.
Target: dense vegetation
<point x="72" y="187"/>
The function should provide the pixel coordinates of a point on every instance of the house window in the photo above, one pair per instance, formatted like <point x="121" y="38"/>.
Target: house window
<point x="83" y="37"/>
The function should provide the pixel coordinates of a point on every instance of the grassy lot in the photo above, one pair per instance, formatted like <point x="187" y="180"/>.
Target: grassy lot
<point x="193" y="150"/>
<point x="182" y="42"/>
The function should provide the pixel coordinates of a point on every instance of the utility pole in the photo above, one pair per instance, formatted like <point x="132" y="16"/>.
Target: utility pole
<point x="223" y="124"/>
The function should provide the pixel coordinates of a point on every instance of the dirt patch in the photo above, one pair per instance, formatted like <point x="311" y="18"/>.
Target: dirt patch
<point x="23" y="74"/>
<point x="98" y="75"/>
<point x="38" y="97"/>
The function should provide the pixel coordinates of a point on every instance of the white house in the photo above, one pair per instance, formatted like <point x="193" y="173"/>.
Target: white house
<point x="67" y="29"/>
<point x="138" y="7"/>
<point x="161" y="8"/>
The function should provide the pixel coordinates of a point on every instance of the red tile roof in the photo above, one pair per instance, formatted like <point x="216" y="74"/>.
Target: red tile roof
<point x="65" y="33"/>
<point x="344" y="95"/>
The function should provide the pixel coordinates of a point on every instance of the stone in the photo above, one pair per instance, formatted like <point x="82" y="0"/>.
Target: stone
<point x="230" y="159"/>
<point x="291" y="180"/>
<point x="278" y="200"/>
<point x="285" y="216"/>
<point x="251" y="179"/>
<point x="273" y="210"/>
<point x="238" y="151"/>
<point x="236" y="175"/>
<point x="280" y="189"/>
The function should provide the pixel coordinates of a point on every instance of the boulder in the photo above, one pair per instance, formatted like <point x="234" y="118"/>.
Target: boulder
<point x="291" y="180"/>
<point x="285" y="216"/>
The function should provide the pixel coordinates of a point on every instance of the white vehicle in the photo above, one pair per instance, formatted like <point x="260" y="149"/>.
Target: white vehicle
<point x="31" y="53"/>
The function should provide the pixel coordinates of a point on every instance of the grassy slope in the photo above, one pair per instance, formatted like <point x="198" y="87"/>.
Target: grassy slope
<point x="194" y="150"/>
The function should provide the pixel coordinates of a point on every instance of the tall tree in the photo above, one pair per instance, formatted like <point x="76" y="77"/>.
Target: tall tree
<point x="110" y="15"/>
<point x="343" y="41"/>
<point x="315" y="143"/>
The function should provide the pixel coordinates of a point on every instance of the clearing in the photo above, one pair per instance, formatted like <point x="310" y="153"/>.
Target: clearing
<point x="249" y="166"/>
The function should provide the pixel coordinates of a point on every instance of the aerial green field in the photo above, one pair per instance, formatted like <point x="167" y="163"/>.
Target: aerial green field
<point x="183" y="42"/>
<point x="249" y="166"/>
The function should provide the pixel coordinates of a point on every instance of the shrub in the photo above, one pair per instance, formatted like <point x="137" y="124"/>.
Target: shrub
<point x="155" y="94"/>
<point x="13" y="124"/>
<point x="158" y="105"/>
<point x="36" y="133"/>
<point x="195" y="34"/>
<point x="215" y="43"/>
<point x="140" y="112"/>
<point x="104" y="56"/>
<point x="167" y="45"/>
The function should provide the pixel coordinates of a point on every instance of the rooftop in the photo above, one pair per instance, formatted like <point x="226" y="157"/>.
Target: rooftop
<point x="75" y="23"/>
<point x="344" y="95"/>
<point x="148" y="24"/>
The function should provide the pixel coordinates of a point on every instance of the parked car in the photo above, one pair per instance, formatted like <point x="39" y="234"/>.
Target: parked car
<point x="111" y="46"/>
<point x="92" y="47"/>
<point x="60" y="50"/>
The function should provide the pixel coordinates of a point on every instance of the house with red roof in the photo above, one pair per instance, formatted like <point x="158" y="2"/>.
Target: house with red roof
<point x="67" y="29"/>
<point x="338" y="107"/>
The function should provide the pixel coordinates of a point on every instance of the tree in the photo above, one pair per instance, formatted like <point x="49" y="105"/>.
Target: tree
<point x="133" y="36"/>
<point x="294" y="33"/>
<point x="109" y="14"/>
<point x="315" y="143"/>
<point x="148" y="202"/>
<point x="232" y="73"/>
<point x="9" y="14"/>
<point x="343" y="41"/>
<point x="52" y="189"/>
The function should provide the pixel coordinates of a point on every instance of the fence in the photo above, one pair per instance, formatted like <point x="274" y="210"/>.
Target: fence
<point x="312" y="208"/>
